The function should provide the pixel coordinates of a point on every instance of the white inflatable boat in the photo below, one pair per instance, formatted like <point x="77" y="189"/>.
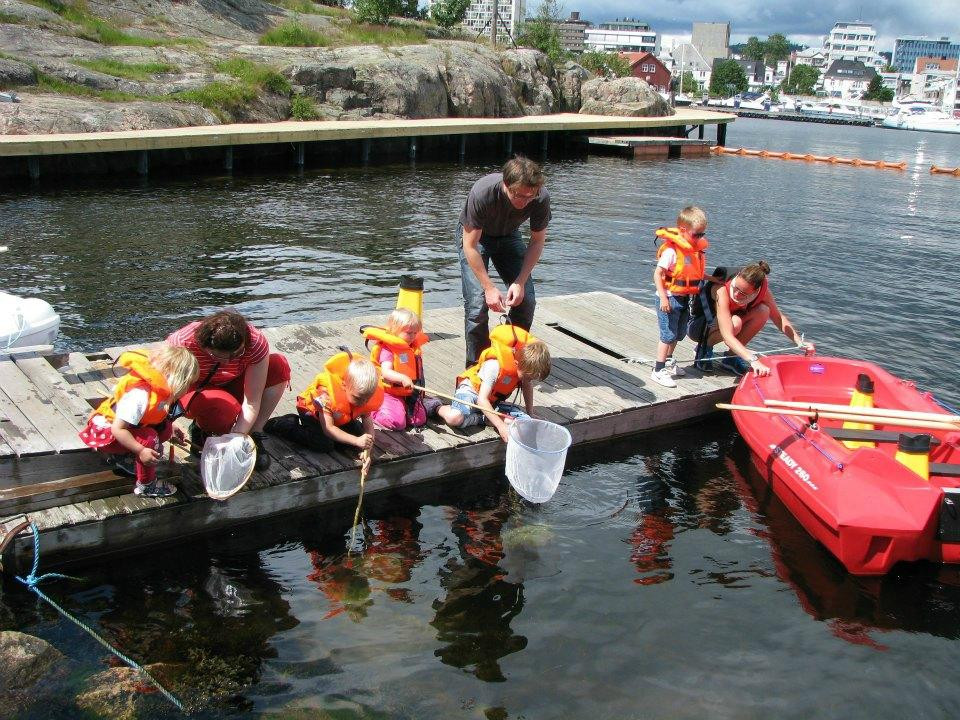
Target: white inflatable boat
<point x="26" y="321"/>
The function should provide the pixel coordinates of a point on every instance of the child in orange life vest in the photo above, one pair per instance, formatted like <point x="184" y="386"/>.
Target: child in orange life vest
<point x="395" y="349"/>
<point x="135" y="418"/>
<point x="514" y="358"/>
<point x="681" y="260"/>
<point x="336" y="408"/>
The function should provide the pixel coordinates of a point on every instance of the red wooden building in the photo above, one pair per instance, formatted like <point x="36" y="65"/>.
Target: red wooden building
<point x="645" y="66"/>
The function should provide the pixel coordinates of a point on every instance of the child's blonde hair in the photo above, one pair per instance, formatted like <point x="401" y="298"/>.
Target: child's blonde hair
<point x="533" y="359"/>
<point x="361" y="379"/>
<point x="402" y="319"/>
<point x="177" y="365"/>
<point x="692" y="218"/>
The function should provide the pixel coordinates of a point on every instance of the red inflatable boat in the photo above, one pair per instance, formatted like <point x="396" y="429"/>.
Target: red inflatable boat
<point x="875" y="490"/>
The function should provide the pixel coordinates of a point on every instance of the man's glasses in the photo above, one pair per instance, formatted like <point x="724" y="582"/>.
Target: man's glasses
<point x="521" y="197"/>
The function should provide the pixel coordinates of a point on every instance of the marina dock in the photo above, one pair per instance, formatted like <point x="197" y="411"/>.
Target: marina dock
<point x="299" y="143"/>
<point x="83" y="511"/>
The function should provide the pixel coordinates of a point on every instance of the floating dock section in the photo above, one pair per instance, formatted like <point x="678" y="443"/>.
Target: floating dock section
<point x="650" y="147"/>
<point x="299" y="144"/>
<point x="83" y="511"/>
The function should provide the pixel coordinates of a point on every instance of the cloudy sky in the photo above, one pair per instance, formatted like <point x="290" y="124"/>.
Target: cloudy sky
<point x="800" y="20"/>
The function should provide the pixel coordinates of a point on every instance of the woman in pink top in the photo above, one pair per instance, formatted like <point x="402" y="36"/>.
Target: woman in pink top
<point x="240" y="380"/>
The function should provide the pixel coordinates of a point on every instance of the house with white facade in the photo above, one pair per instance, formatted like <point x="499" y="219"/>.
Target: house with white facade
<point x="684" y="57"/>
<point x="847" y="79"/>
<point x="814" y="57"/>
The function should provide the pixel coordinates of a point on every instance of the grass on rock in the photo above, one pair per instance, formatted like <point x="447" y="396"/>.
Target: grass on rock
<point x="131" y="71"/>
<point x="255" y="74"/>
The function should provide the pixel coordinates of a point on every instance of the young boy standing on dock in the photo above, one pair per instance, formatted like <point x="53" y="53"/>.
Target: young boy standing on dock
<point x="681" y="259"/>
<point x="514" y="358"/>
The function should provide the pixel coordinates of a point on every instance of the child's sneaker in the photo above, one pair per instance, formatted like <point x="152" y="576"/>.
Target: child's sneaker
<point x="158" y="488"/>
<point x="663" y="377"/>
<point x="675" y="370"/>
<point x="735" y="364"/>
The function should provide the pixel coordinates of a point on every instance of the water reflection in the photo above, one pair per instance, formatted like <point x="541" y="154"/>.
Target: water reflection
<point x="919" y="597"/>
<point x="473" y="617"/>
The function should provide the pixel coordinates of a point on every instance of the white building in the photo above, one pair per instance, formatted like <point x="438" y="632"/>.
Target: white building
<point x="478" y="20"/>
<point x="847" y="79"/>
<point x="814" y="57"/>
<point x="684" y="57"/>
<point x="854" y="41"/>
<point x="625" y="35"/>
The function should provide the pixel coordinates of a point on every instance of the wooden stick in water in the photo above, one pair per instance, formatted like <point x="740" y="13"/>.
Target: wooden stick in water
<point x="364" y="469"/>
<point x="896" y="422"/>
<point x="437" y="393"/>
<point x="867" y="411"/>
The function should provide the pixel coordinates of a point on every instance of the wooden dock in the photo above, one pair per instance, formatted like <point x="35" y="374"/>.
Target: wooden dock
<point x="651" y="147"/>
<point x="359" y="140"/>
<point x="84" y="511"/>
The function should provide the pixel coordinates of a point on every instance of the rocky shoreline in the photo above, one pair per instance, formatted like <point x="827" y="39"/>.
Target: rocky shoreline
<point x="218" y="73"/>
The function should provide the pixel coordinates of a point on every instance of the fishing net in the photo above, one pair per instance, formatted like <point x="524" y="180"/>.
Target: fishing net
<point x="536" y="454"/>
<point x="226" y="464"/>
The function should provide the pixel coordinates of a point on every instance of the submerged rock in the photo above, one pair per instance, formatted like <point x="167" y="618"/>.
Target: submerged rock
<point x="122" y="693"/>
<point x="30" y="669"/>
<point x="627" y="96"/>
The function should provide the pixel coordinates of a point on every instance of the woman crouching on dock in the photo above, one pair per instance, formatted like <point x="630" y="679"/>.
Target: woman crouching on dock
<point x="240" y="380"/>
<point x="744" y="304"/>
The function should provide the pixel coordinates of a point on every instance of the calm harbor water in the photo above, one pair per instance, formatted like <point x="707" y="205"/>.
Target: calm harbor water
<point x="661" y="581"/>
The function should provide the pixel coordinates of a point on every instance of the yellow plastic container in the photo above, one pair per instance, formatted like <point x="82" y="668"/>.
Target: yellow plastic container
<point x="411" y="294"/>
<point x="862" y="397"/>
<point x="913" y="451"/>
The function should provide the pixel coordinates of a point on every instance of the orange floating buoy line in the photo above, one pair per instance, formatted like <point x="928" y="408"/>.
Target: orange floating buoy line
<point x="832" y="159"/>
<point x="934" y="170"/>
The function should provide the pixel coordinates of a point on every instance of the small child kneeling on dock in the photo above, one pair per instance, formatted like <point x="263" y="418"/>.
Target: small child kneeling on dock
<point x="396" y="351"/>
<point x="135" y="420"/>
<point x="681" y="262"/>
<point x="336" y="408"/>
<point x="514" y="358"/>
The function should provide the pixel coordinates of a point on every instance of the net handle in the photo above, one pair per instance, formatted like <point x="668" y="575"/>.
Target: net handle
<point x="445" y="396"/>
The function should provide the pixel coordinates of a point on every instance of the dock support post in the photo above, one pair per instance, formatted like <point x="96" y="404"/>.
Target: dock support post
<point x="543" y="143"/>
<point x="413" y="148"/>
<point x="365" y="150"/>
<point x="143" y="163"/>
<point x="700" y="131"/>
<point x="721" y="134"/>
<point x="33" y="168"/>
<point x="228" y="158"/>
<point x="301" y="153"/>
<point x="508" y="143"/>
<point x="463" y="147"/>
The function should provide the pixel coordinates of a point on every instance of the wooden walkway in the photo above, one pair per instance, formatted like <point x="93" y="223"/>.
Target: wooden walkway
<point x="84" y="511"/>
<point x="322" y="130"/>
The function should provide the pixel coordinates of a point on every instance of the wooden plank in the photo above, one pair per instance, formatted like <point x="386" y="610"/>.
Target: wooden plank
<point x="59" y="432"/>
<point x="18" y="432"/>
<point x="27" y="498"/>
<point x="52" y="387"/>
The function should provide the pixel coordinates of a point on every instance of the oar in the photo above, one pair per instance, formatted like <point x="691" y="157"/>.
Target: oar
<point x="867" y="411"/>
<point x="896" y="422"/>
<point x="428" y="391"/>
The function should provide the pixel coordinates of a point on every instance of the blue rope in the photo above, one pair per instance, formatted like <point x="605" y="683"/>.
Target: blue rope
<point x="32" y="580"/>
<point x="945" y="406"/>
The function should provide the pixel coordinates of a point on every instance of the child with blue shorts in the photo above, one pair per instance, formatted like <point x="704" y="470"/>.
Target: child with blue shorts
<point x="681" y="259"/>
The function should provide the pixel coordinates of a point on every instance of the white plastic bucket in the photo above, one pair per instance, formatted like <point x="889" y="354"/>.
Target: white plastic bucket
<point x="536" y="454"/>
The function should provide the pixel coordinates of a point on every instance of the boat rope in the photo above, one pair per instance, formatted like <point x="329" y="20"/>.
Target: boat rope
<point x="798" y="431"/>
<point x="945" y="406"/>
<point x="639" y="360"/>
<point x="32" y="580"/>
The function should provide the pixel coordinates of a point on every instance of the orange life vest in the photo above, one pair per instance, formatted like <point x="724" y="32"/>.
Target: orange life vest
<point x="688" y="269"/>
<point x="504" y="341"/>
<point x="406" y="357"/>
<point x="142" y="376"/>
<point x="330" y="383"/>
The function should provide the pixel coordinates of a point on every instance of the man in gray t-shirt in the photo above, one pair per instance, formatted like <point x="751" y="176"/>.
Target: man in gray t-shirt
<point x="489" y="230"/>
